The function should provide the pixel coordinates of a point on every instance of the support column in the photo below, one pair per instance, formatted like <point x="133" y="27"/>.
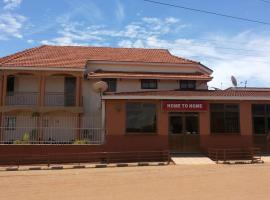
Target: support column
<point x="78" y="91"/>
<point x="41" y="103"/>
<point x="4" y="89"/>
<point x="41" y="89"/>
<point x="3" y="95"/>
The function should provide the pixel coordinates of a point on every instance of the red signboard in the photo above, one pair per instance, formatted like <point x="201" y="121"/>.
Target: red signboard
<point x="191" y="106"/>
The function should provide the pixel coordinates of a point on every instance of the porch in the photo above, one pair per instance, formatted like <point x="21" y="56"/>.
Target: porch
<point x="51" y="129"/>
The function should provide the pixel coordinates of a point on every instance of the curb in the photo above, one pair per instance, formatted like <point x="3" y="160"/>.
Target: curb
<point x="85" y="166"/>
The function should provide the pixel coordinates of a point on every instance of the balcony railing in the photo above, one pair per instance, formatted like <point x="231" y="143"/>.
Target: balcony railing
<point x="22" y="98"/>
<point x="51" y="130"/>
<point x="60" y="99"/>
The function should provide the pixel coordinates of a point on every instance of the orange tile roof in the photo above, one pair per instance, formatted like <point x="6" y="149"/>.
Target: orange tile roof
<point x="199" y="93"/>
<point x="77" y="56"/>
<point x="148" y="75"/>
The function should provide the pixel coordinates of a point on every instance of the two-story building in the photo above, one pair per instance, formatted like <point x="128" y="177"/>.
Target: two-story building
<point x="154" y="101"/>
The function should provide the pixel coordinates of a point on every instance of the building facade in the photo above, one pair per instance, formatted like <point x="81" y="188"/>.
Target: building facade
<point x="154" y="101"/>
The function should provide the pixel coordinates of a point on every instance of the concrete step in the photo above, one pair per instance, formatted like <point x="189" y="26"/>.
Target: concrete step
<point x="191" y="159"/>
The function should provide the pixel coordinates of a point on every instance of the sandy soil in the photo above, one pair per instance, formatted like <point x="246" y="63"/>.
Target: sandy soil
<point x="164" y="182"/>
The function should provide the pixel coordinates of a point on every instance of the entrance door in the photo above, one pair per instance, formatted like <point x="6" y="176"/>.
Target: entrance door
<point x="70" y="88"/>
<point x="184" y="132"/>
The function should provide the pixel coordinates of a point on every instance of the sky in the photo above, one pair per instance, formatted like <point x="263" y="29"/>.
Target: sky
<point x="228" y="46"/>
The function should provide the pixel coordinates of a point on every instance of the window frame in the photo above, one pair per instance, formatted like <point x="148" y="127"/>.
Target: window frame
<point x="187" y="83"/>
<point x="154" y="132"/>
<point x="108" y="81"/>
<point x="225" y="118"/>
<point x="148" y="84"/>
<point x="265" y="115"/>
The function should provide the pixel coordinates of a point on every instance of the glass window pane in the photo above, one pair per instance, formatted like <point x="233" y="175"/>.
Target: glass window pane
<point x="141" y="117"/>
<point x="112" y="84"/>
<point x="268" y="120"/>
<point x="231" y="107"/>
<point x="258" y="109"/>
<point x="268" y="109"/>
<point x="192" y="125"/>
<point x="259" y="125"/>
<point x="217" y="122"/>
<point x="149" y="84"/>
<point x="217" y="107"/>
<point x="232" y="122"/>
<point x="176" y="125"/>
<point x="225" y="118"/>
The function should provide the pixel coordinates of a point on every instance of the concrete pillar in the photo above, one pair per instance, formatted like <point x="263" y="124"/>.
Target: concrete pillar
<point x="42" y="83"/>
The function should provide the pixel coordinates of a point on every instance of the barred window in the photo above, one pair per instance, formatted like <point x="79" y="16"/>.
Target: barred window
<point x="149" y="84"/>
<point x="140" y="117"/>
<point x="225" y="118"/>
<point x="261" y="118"/>
<point x="187" y="85"/>
<point x="112" y="84"/>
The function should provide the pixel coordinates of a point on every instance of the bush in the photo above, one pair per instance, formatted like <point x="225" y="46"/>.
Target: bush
<point x="84" y="141"/>
<point x="25" y="139"/>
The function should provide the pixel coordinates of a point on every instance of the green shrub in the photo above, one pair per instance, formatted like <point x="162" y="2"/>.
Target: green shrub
<point x="25" y="139"/>
<point x="84" y="141"/>
<point x="17" y="142"/>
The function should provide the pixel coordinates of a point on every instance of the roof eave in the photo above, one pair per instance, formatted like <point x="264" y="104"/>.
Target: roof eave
<point x="157" y="97"/>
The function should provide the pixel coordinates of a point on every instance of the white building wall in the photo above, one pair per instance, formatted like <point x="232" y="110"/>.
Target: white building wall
<point x="92" y="102"/>
<point x="55" y="84"/>
<point x="26" y="84"/>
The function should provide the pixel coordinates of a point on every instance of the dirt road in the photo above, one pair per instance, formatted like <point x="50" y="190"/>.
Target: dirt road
<point x="220" y="182"/>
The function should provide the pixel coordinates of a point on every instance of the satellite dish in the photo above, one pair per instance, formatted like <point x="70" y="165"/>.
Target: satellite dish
<point x="100" y="87"/>
<point x="234" y="81"/>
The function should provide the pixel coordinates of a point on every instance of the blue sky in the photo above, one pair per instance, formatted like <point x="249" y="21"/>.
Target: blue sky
<point x="228" y="46"/>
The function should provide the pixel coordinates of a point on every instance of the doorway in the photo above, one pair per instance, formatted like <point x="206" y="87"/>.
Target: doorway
<point x="184" y="132"/>
<point x="70" y="89"/>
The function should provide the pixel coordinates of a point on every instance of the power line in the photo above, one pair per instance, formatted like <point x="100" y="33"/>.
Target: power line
<point x="264" y="1"/>
<point x="209" y="12"/>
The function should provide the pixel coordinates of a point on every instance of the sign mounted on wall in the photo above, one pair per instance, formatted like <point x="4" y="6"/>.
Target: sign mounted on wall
<point x="184" y="106"/>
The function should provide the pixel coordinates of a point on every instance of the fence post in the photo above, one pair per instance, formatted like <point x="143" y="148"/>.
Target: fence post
<point x="224" y="155"/>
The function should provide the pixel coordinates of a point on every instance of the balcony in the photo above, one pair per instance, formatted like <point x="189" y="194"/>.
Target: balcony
<point x="22" y="98"/>
<point x="60" y="99"/>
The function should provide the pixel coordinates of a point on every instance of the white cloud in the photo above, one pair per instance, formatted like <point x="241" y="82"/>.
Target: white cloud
<point x="244" y="55"/>
<point x="11" y="25"/>
<point x="120" y="11"/>
<point x="11" y="4"/>
<point x="74" y="33"/>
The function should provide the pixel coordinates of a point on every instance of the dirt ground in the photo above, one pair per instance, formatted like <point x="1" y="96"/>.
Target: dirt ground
<point x="163" y="182"/>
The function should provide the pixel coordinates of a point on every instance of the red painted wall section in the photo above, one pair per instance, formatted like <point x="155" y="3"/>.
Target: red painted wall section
<point x="223" y="140"/>
<point x="118" y="140"/>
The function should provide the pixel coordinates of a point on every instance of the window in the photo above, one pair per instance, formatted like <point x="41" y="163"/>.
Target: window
<point x="112" y="84"/>
<point x="140" y="117"/>
<point x="10" y="123"/>
<point x="261" y="118"/>
<point x="10" y="85"/>
<point x="149" y="84"/>
<point x="187" y="85"/>
<point x="225" y="118"/>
